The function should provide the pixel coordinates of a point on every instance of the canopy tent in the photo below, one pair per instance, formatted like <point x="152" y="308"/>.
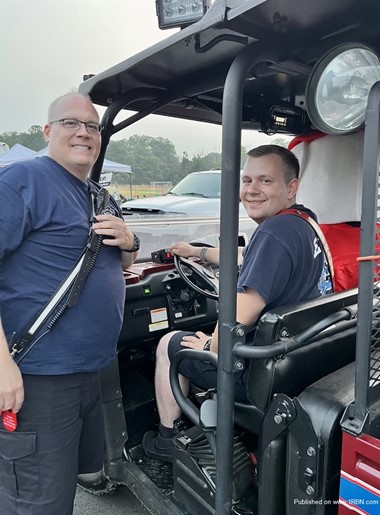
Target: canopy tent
<point x="108" y="166"/>
<point x="111" y="166"/>
<point x="15" y="154"/>
<point x="20" y="153"/>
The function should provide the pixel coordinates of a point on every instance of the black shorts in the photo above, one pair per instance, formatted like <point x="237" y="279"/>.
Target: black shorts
<point x="202" y="373"/>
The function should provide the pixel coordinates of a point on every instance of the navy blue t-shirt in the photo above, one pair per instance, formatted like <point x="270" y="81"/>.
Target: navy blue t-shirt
<point x="45" y="216"/>
<point x="283" y="261"/>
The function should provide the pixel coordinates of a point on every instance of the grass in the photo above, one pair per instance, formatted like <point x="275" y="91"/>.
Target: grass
<point x="141" y="190"/>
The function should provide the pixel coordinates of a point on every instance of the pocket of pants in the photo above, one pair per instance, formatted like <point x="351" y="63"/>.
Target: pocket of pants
<point x="19" y="470"/>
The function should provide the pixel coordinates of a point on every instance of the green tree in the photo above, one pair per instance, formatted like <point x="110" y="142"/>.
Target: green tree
<point x="151" y="159"/>
<point x="210" y="161"/>
<point x="32" y="139"/>
<point x="185" y="165"/>
<point x="243" y="156"/>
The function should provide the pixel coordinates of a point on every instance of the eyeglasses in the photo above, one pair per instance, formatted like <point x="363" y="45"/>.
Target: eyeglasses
<point x="73" y="125"/>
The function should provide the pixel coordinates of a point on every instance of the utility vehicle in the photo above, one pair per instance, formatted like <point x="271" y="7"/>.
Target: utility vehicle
<point x="308" y="440"/>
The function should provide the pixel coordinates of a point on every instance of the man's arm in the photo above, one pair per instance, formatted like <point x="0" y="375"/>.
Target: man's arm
<point x="184" y="249"/>
<point x="11" y="384"/>
<point x="211" y="254"/>
<point x="127" y="259"/>
<point x="249" y="305"/>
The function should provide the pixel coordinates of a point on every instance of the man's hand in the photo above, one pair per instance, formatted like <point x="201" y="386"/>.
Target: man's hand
<point x="11" y="384"/>
<point x="116" y="234"/>
<point x="116" y="229"/>
<point x="184" y="249"/>
<point x="195" y="342"/>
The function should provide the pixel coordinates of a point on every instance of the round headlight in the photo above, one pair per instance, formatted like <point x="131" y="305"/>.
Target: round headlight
<point x="338" y="88"/>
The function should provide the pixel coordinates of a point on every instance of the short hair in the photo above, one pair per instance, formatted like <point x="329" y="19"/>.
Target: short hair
<point x="70" y="94"/>
<point x="291" y="166"/>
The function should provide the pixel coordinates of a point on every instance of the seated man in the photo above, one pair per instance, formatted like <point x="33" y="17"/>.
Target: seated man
<point x="283" y="263"/>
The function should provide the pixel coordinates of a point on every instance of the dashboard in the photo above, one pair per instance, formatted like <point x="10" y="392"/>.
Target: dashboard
<point x="158" y="301"/>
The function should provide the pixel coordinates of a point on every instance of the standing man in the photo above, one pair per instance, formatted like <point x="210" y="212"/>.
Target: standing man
<point x="46" y="214"/>
<point x="282" y="264"/>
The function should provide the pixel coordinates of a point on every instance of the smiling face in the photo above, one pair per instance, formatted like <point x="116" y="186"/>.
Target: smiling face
<point x="75" y="150"/>
<point x="264" y="190"/>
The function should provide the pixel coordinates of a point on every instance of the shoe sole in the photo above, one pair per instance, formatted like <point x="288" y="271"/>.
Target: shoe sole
<point x="109" y="489"/>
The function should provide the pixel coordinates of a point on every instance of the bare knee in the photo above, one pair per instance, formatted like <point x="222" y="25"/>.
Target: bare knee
<point x="162" y="347"/>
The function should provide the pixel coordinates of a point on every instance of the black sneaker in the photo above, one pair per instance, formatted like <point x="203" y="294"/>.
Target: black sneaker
<point x="102" y="486"/>
<point x="157" y="447"/>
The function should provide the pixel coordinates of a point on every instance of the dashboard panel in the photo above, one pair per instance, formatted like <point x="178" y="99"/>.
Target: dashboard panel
<point x="158" y="301"/>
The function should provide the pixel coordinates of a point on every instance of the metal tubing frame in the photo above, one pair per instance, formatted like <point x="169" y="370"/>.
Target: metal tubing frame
<point x="110" y="129"/>
<point x="356" y="414"/>
<point x="228" y="334"/>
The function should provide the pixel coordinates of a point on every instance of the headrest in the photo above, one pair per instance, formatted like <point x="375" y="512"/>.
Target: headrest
<point x="331" y="170"/>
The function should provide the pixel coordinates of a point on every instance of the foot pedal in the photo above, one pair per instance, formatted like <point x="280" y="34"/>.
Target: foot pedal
<point x="194" y="471"/>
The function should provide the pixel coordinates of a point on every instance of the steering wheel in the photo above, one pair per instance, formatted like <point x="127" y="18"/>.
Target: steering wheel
<point x="204" y="275"/>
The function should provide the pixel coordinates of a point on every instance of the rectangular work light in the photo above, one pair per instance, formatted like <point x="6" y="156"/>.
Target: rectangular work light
<point x="180" y="13"/>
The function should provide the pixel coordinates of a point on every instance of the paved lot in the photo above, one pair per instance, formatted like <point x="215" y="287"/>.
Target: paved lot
<point x="122" y="502"/>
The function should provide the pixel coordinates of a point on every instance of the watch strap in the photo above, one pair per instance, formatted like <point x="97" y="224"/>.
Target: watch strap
<point x="136" y="244"/>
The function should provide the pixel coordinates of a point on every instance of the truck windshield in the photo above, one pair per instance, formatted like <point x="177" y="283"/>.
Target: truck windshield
<point x="199" y="184"/>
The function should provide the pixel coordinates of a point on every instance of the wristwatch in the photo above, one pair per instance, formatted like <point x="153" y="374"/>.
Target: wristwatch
<point x="207" y="345"/>
<point x="136" y="244"/>
<point x="202" y="254"/>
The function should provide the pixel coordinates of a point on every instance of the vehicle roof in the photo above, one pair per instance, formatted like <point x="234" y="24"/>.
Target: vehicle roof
<point x="183" y="75"/>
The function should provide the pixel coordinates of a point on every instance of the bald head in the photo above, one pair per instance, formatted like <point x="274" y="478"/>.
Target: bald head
<point x="54" y="107"/>
<point x="73" y="146"/>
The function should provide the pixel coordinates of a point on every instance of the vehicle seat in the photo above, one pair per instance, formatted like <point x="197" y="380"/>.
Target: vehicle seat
<point x="331" y="175"/>
<point x="292" y="373"/>
<point x="344" y="243"/>
<point x="331" y="170"/>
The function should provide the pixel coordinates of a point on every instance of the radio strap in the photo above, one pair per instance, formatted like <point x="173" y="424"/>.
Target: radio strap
<point x="75" y="278"/>
<point x="318" y="232"/>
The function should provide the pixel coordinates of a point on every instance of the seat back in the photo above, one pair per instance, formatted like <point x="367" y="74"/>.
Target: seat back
<point x="292" y="373"/>
<point x="331" y="175"/>
<point x="343" y="240"/>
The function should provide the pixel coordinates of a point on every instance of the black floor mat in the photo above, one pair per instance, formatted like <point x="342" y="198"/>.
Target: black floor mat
<point x="160" y="472"/>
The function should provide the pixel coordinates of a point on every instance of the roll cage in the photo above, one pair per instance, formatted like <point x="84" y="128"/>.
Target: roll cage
<point x="231" y="68"/>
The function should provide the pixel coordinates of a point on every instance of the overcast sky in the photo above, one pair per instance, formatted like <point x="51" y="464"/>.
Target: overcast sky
<point x="46" y="46"/>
